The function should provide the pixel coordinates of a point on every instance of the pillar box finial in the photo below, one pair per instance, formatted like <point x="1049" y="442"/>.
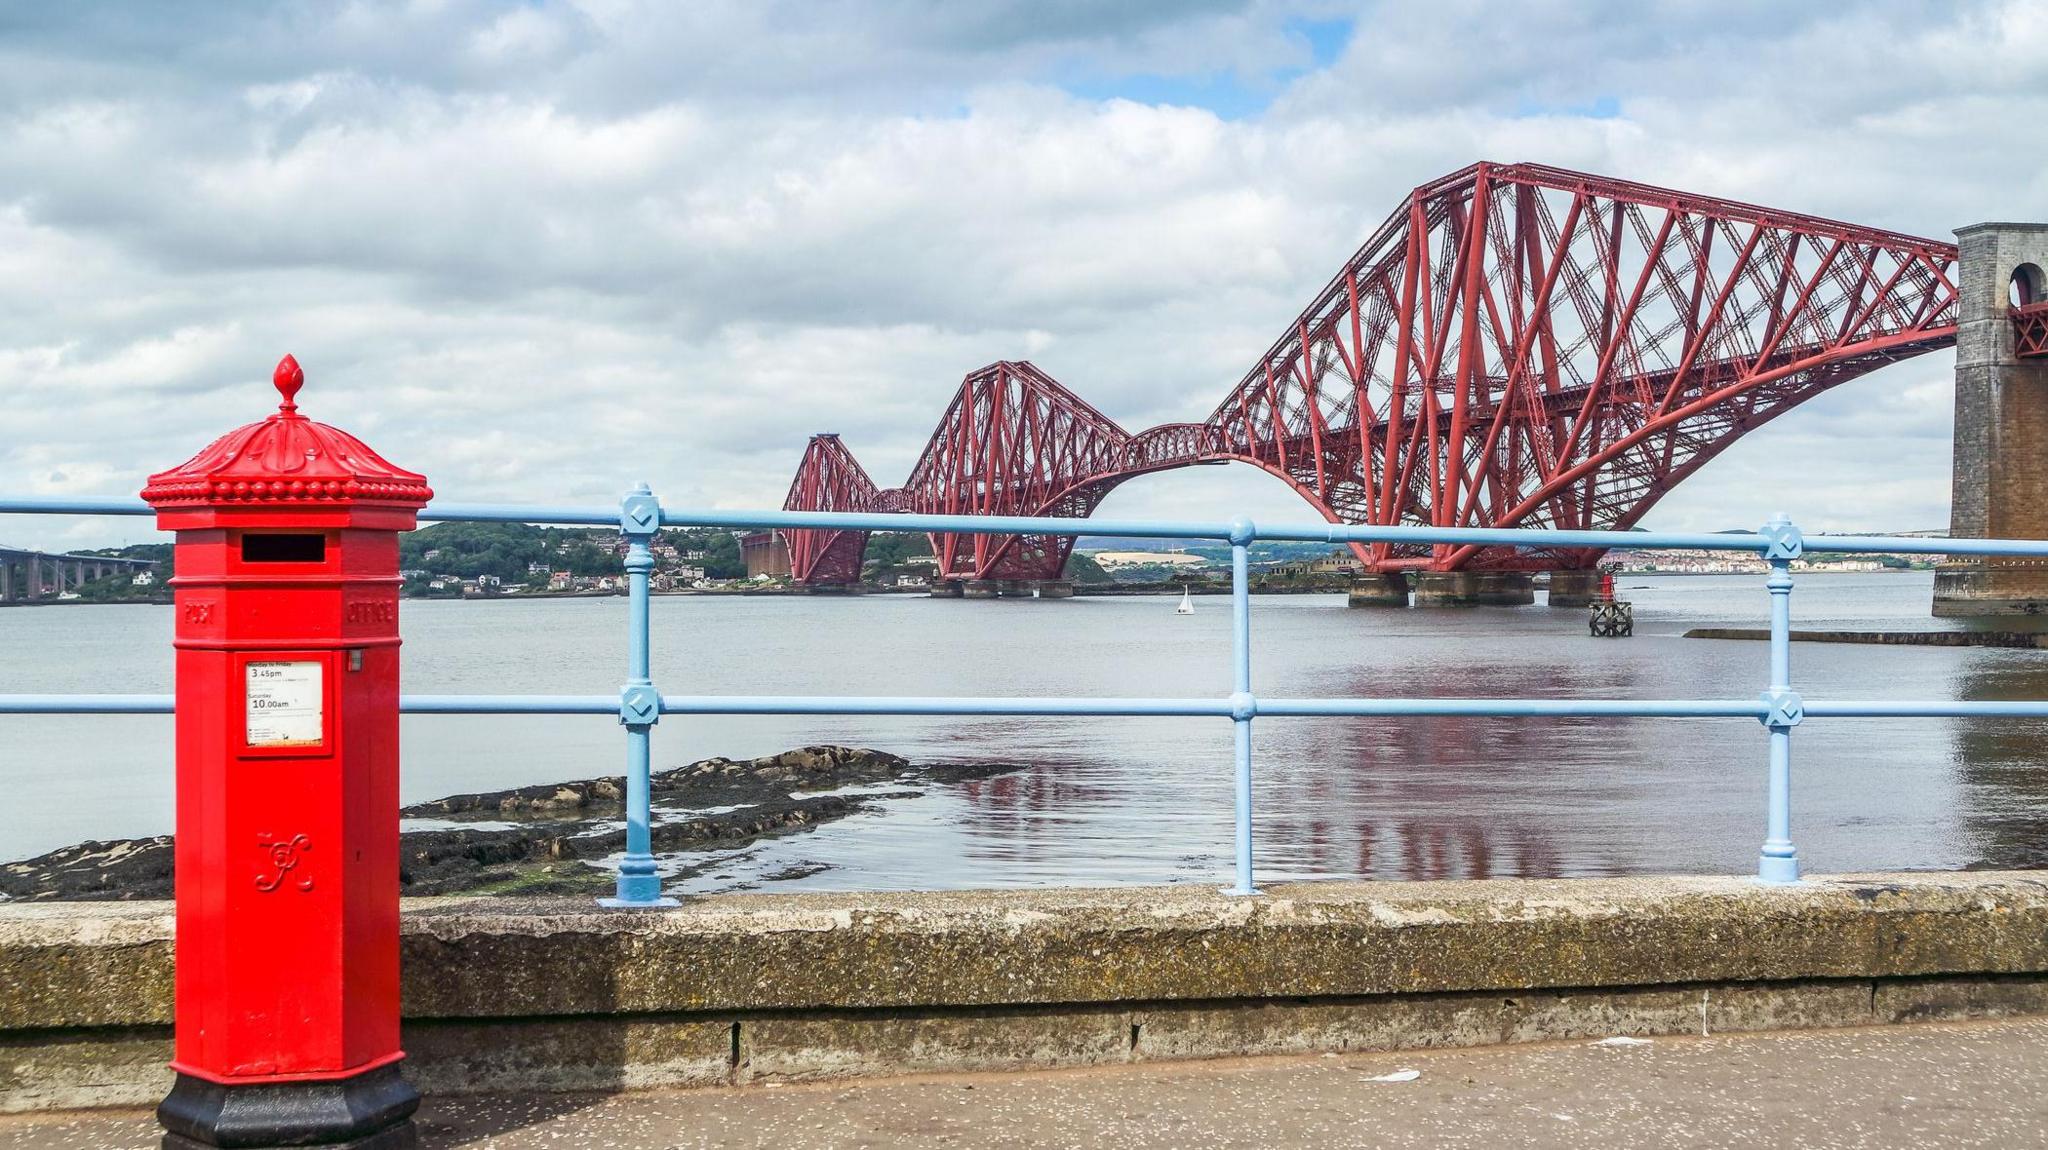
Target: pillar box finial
<point x="288" y="378"/>
<point x="287" y="785"/>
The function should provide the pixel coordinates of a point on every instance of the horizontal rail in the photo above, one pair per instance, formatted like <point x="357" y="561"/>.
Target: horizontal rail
<point x="85" y="704"/>
<point x="514" y="513"/>
<point x="509" y="705"/>
<point x="1927" y="709"/>
<point x="1515" y="708"/>
<point x="1248" y="530"/>
<point x="934" y="705"/>
<point x="1262" y="707"/>
<point x="33" y="505"/>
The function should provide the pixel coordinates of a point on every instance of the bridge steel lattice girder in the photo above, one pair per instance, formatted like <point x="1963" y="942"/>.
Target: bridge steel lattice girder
<point x="1516" y="345"/>
<point x="829" y="479"/>
<point x="2030" y="330"/>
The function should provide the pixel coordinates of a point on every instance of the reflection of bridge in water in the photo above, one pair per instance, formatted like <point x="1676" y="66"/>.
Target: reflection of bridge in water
<point x="28" y="575"/>
<point x="2002" y="764"/>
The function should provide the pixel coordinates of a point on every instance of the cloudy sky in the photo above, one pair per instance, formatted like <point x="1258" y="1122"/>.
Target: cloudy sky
<point x="543" y="250"/>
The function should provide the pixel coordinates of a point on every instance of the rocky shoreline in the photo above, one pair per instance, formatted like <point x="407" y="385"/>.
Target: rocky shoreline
<point x="551" y="839"/>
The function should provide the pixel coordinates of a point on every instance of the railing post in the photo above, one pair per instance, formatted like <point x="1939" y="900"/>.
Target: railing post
<point x="639" y="706"/>
<point x="1243" y="705"/>
<point x="1779" y="861"/>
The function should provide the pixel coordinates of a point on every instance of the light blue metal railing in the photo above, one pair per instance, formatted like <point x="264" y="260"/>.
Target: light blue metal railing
<point x="639" y="705"/>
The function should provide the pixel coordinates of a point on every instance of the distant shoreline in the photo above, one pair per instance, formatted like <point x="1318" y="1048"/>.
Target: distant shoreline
<point x="1081" y="590"/>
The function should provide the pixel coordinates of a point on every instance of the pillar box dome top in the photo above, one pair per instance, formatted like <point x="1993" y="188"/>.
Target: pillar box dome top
<point x="287" y="463"/>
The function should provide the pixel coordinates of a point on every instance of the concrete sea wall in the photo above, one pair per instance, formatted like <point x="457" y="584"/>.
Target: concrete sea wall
<point x="558" y="995"/>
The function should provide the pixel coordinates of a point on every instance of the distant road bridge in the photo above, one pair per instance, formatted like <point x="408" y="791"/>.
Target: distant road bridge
<point x="27" y="575"/>
<point x="1516" y="346"/>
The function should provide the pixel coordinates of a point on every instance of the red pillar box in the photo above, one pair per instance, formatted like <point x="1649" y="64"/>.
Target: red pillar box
<point x="287" y="848"/>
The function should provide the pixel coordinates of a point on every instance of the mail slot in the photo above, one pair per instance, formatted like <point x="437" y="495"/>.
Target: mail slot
<point x="298" y="547"/>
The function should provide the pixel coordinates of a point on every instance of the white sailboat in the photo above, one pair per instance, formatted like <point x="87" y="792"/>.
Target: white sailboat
<point x="1187" y="603"/>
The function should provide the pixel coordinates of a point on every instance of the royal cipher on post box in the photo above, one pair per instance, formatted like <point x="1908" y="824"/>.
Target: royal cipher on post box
<point x="287" y="785"/>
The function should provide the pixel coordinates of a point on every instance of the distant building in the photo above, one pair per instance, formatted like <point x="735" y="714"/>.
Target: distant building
<point x="561" y="581"/>
<point x="912" y="581"/>
<point x="1335" y="563"/>
<point x="144" y="579"/>
<point x="536" y="568"/>
<point x="689" y="574"/>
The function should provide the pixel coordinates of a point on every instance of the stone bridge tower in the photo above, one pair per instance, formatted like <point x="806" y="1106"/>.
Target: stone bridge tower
<point x="2001" y="447"/>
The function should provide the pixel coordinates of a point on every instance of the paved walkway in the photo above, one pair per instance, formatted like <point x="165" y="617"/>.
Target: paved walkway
<point x="1931" y="1085"/>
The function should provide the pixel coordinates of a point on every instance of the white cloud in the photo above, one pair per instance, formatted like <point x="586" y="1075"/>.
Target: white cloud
<point x="543" y="251"/>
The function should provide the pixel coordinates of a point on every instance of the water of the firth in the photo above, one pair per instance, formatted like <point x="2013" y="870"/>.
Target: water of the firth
<point x="1128" y="800"/>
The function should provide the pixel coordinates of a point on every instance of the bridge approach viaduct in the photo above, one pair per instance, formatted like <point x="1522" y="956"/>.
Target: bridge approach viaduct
<point x="31" y="575"/>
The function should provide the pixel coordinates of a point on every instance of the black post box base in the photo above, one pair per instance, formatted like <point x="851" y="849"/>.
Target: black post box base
<point x="371" y="1111"/>
<point x="400" y="1137"/>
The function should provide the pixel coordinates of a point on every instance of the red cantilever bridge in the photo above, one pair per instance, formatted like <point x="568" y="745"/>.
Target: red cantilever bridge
<point x="1516" y="346"/>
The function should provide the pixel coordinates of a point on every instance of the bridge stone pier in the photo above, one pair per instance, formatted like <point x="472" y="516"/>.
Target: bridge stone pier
<point x="1474" y="589"/>
<point x="25" y="577"/>
<point x="1575" y="588"/>
<point x="1379" y="589"/>
<point x="1003" y="589"/>
<point x="2000" y="486"/>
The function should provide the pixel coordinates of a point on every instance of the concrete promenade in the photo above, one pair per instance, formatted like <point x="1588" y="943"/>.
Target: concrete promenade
<point x="1933" y="1084"/>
